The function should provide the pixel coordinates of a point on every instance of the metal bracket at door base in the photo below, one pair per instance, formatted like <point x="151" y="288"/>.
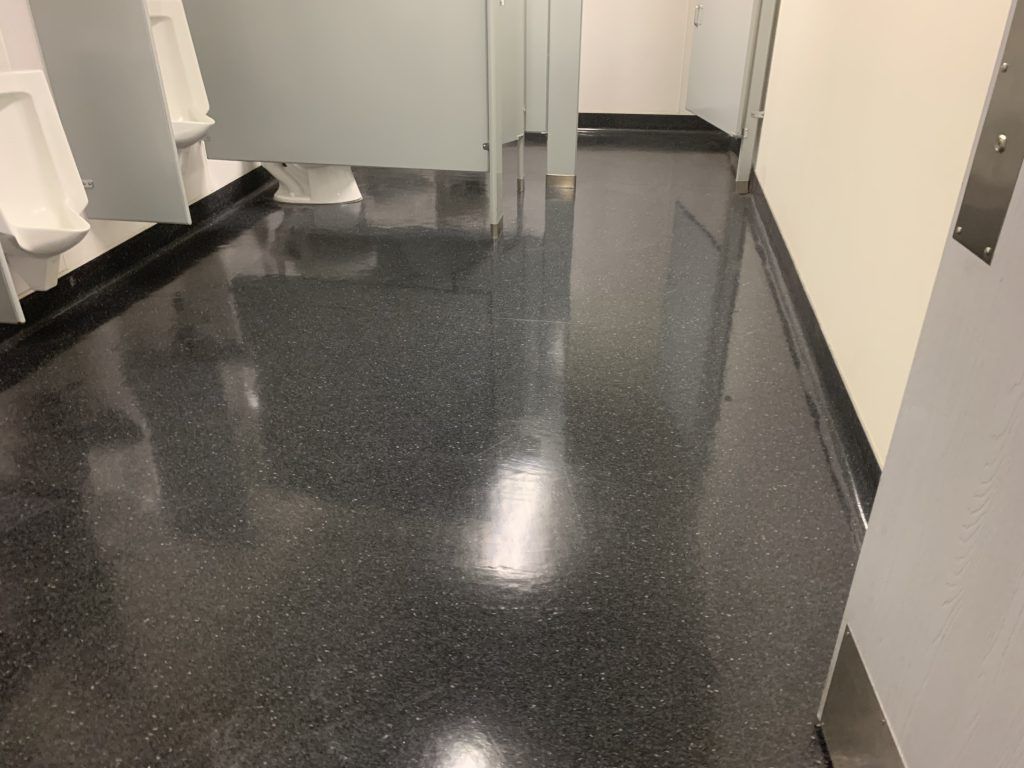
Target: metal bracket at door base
<point x="852" y="721"/>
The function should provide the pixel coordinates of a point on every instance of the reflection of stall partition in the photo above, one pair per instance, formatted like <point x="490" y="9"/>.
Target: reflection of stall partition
<point x="403" y="84"/>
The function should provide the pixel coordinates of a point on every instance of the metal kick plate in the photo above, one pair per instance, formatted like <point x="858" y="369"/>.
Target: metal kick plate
<point x="853" y="723"/>
<point x="999" y="154"/>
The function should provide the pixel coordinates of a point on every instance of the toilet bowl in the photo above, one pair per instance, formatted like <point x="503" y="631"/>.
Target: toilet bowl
<point x="310" y="184"/>
<point x="42" y="200"/>
<point x="184" y="91"/>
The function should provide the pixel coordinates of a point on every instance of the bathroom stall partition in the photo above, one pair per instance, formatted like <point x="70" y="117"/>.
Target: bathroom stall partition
<point x="424" y="84"/>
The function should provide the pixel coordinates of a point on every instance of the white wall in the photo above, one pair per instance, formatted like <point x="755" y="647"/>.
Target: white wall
<point x="871" y="114"/>
<point x="635" y="56"/>
<point x="202" y="177"/>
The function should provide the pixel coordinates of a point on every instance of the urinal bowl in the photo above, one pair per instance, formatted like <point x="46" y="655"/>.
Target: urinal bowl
<point x="189" y="132"/>
<point x="39" y="246"/>
<point x="42" y="201"/>
<point x="50" y="240"/>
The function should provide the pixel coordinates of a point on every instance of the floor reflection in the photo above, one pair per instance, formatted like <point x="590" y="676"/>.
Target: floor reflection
<point x="355" y="486"/>
<point x="466" y="748"/>
<point x="526" y="532"/>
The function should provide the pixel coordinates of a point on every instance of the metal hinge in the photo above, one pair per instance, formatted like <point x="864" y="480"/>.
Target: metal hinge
<point x="698" y="14"/>
<point x="757" y="114"/>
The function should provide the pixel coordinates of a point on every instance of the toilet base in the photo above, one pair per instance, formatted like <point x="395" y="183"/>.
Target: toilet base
<point x="303" y="184"/>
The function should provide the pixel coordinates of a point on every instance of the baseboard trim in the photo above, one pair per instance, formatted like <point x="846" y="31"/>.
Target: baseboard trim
<point x="644" y="122"/>
<point x="857" y="469"/>
<point x="131" y="254"/>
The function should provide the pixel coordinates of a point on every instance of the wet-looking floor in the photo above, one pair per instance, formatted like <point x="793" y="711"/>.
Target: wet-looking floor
<point x="353" y="486"/>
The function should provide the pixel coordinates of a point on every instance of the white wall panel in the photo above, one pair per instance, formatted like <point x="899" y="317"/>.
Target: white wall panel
<point x="865" y="215"/>
<point x="635" y="55"/>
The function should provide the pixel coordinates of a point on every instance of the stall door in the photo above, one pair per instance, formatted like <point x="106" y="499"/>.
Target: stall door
<point x="720" y="63"/>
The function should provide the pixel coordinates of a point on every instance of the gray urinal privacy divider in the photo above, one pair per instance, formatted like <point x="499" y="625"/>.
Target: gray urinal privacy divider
<point x="399" y="84"/>
<point x="106" y="83"/>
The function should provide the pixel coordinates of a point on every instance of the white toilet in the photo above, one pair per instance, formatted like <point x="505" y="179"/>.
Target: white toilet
<point x="314" y="184"/>
<point x="188" y="106"/>
<point x="42" y="200"/>
<point x="187" y="102"/>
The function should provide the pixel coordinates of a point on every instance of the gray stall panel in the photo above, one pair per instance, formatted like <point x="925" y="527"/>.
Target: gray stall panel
<point x="106" y="83"/>
<point x="512" y="68"/>
<point x="537" y="65"/>
<point x="401" y="83"/>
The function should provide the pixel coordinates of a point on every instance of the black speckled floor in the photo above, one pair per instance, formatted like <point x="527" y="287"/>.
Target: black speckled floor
<point x="354" y="487"/>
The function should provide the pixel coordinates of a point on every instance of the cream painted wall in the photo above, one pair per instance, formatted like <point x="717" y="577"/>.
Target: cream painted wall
<point x="871" y="115"/>
<point x="202" y="177"/>
<point x="635" y="56"/>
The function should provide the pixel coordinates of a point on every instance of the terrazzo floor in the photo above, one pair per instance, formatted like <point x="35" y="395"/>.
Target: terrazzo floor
<point x="353" y="486"/>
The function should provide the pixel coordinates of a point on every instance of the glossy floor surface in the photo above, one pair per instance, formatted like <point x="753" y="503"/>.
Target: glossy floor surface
<point x="353" y="487"/>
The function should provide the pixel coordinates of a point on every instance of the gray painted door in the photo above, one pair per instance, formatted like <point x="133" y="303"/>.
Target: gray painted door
<point x="937" y="604"/>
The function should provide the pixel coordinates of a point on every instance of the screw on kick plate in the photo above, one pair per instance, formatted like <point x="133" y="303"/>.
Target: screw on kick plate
<point x="988" y="250"/>
<point x="959" y="231"/>
<point x="1001" y="142"/>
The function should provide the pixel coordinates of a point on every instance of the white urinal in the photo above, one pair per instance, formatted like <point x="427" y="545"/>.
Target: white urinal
<point x="184" y="90"/>
<point x="42" y="200"/>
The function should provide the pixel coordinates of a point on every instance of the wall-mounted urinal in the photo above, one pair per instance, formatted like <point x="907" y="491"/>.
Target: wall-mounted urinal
<point x="184" y="90"/>
<point x="42" y="200"/>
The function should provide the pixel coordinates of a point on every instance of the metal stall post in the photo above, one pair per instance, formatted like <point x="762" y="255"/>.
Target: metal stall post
<point x="754" y="114"/>
<point x="494" y="145"/>
<point x="565" y="32"/>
